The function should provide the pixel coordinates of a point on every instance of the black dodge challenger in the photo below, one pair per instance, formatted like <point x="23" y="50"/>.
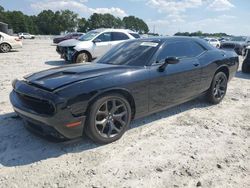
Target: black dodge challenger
<point x="132" y="80"/>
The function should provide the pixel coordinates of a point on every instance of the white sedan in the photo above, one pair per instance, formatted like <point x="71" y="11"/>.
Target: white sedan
<point x="213" y="42"/>
<point x="8" y="42"/>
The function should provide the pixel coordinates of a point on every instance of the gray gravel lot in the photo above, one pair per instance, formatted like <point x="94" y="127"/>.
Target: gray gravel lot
<point x="194" y="144"/>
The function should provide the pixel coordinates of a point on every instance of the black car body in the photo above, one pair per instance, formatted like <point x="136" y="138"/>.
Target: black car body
<point x="246" y="61"/>
<point x="67" y="37"/>
<point x="238" y="44"/>
<point x="150" y="74"/>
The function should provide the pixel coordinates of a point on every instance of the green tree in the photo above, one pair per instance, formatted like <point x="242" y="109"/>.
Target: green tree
<point x="81" y="25"/>
<point x="135" y="24"/>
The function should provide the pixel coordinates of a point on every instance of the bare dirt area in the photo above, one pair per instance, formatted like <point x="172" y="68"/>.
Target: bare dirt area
<point x="191" y="145"/>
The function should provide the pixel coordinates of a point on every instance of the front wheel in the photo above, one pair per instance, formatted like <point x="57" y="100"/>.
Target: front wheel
<point x="218" y="88"/>
<point x="82" y="57"/>
<point x="108" y="118"/>
<point x="5" y="48"/>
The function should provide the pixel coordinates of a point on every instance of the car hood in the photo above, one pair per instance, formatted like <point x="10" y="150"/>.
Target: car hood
<point x="70" y="42"/>
<point x="56" y="78"/>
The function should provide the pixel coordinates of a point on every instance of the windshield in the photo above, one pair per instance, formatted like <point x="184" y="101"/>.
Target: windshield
<point x="88" y="36"/>
<point x="241" y="39"/>
<point x="133" y="53"/>
<point x="135" y="35"/>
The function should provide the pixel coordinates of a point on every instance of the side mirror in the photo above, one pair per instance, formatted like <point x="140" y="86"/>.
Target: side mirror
<point x="169" y="60"/>
<point x="97" y="40"/>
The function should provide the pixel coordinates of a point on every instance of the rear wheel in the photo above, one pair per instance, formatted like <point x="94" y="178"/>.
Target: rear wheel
<point x="108" y="118"/>
<point x="5" y="47"/>
<point x="82" y="57"/>
<point x="218" y="88"/>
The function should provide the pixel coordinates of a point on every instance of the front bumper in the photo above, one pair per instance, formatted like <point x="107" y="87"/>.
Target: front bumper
<point x="17" y="45"/>
<point x="66" y="53"/>
<point x="58" y="120"/>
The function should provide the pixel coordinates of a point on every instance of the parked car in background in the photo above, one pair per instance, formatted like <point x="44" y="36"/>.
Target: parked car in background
<point x="224" y="39"/>
<point x="67" y="37"/>
<point x="93" y="44"/>
<point x="214" y="42"/>
<point x="8" y="42"/>
<point x="238" y="44"/>
<point x="246" y="61"/>
<point x="26" y="36"/>
<point x="134" y="79"/>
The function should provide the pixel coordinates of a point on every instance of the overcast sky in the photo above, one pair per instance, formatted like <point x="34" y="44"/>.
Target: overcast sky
<point x="167" y="16"/>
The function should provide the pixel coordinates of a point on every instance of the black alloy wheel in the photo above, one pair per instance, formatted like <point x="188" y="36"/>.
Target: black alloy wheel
<point x="109" y="118"/>
<point x="218" y="88"/>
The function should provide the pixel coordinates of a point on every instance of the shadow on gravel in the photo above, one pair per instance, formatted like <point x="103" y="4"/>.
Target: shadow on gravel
<point x="11" y="51"/>
<point x="56" y="63"/>
<point x="20" y="147"/>
<point x="243" y="75"/>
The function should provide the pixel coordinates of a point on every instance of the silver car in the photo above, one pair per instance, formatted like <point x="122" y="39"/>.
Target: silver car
<point x="8" y="42"/>
<point x="93" y="45"/>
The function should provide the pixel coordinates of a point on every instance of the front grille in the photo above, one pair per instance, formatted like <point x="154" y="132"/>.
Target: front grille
<point x="39" y="106"/>
<point x="60" y="50"/>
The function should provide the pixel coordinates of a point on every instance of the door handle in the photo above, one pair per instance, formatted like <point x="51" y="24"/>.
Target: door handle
<point x="196" y="64"/>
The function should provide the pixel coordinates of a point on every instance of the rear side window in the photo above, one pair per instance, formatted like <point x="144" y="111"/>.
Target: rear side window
<point x="181" y="50"/>
<point x="137" y="36"/>
<point x="105" y="37"/>
<point x="116" y="36"/>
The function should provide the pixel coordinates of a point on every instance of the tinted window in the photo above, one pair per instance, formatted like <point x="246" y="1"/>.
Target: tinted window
<point x="133" y="53"/>
<point x="137" y="36"/>
<point x="181" y="50"/>
<point x="213" y="40"/>
<point x="119" y="36"/>
<point x="105" y="37"/>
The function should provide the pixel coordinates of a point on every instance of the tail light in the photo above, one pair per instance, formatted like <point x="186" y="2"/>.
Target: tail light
<point x="17" y="39"/>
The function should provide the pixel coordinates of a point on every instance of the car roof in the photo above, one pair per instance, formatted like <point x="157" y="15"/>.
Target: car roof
<point x="114" y="30"/>
<point x="176" y="39"/>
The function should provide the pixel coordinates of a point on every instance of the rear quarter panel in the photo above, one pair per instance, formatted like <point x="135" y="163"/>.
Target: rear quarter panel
<point x="212" y="61"/>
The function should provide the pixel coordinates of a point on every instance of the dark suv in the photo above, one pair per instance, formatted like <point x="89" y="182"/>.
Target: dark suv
<point x="238" y="44"/>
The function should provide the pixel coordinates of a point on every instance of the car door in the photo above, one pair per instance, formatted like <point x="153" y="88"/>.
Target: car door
<point x="178" y="82"/>
<point x="118" y="37"/>
<point x="101" y="44"/>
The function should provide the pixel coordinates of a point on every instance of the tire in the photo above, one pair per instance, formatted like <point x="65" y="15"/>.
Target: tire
<point x="22" y="37"/>
<point x="245" y="68"/>
<point x="218" y="88"/>
<point x="82" y="57"/>
<point x="5" y="47"/>
<point x="108" y="118"/>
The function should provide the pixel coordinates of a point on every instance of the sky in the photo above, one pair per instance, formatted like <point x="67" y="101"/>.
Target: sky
<point x="162" y="16"/>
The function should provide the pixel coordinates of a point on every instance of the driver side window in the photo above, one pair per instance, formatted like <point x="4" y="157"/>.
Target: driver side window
<point x="105" y="37"/>
<point x="179" y="49"/>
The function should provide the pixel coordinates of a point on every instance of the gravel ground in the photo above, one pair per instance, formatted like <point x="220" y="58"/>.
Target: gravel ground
<point x="191" y="145"/>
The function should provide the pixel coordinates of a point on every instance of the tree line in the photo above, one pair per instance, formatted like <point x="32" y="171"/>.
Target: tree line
<point x="201" y="34"/>
<point x="49" y="22"/>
